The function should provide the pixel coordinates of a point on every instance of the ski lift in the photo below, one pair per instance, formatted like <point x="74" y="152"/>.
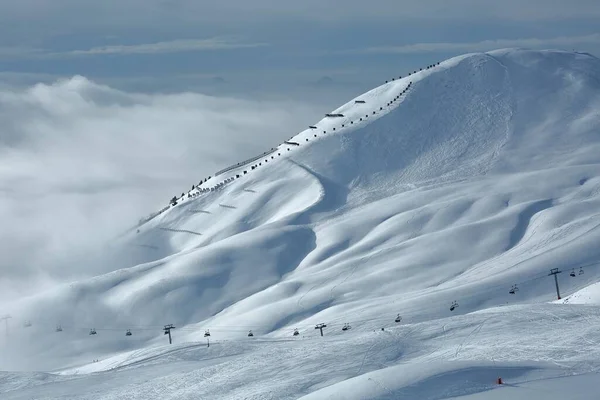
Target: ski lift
<point x="128" y="332"/>
<point x="207" y="333"/>
<point x="580" y="271"/>
<point x="92" y="331"/>
<point x="296" y="333"/>
<point x="250" y="334"/>
<point x="572" y="273"/>
<point x="398" y="318"/>
<point x="58" y="328"/>
<point x="453" y="305"/>
<point x="514" y="289"/>
<point x="346" y="327"/>
<point x="27" y="324"/>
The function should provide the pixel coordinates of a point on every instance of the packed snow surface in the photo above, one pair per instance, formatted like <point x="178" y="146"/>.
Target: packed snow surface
<point x="587" y="295"/>
<point x="458" y="183"/>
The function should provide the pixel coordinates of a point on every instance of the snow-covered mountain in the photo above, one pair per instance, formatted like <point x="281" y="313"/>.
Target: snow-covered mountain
<point x="452" y="185"/>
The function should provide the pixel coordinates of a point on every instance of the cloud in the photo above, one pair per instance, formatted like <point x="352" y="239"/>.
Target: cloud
<point x="478" y="46"/>
<point x="81" y="162"/>
<point x="19" y="52"/>
<point x="173" y="46"/>
<point x="164" y="47"/>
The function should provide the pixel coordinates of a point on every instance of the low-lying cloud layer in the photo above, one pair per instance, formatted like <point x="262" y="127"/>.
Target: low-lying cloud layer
<point x="81" y="162"/>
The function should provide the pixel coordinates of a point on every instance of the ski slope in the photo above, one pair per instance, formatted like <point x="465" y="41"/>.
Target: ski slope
<point x="458" y="357"/>
<point x="452" y="184"/>
<point x="588" y="295"/>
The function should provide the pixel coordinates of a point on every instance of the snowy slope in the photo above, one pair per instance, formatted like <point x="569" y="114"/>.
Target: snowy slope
<point x="459" y="182"/>
<point x="442" y="359"/>
<point x="587" y="295"/>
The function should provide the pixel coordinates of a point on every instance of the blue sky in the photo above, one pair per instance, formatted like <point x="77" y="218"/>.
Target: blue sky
<point x="269" y="46"/>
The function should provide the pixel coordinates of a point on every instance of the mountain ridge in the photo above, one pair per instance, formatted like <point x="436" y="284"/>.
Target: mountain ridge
<point x="467" y="180"/>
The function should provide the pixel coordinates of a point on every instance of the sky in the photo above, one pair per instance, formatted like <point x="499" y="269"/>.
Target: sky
<point x="271" y="46"/>
<point x="109" y="108"/>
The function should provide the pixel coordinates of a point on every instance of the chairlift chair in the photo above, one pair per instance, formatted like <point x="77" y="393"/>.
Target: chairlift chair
<point x="207" y="333"/>
<point x="580" y="271"/>
<point x="572" y="273"/>
<point x="296" y="333"/>
<point x="346" y="327"/>
<point x="58" y="328"/>
<point x="27" y="324"/>
<point x="398" y="318"/>
<point x="128" y="332"/>
<point x="453" y="306"/>
<point x="513" y="290"/>
<point x="250" y="334"/>
<point x="92" y="331"/>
